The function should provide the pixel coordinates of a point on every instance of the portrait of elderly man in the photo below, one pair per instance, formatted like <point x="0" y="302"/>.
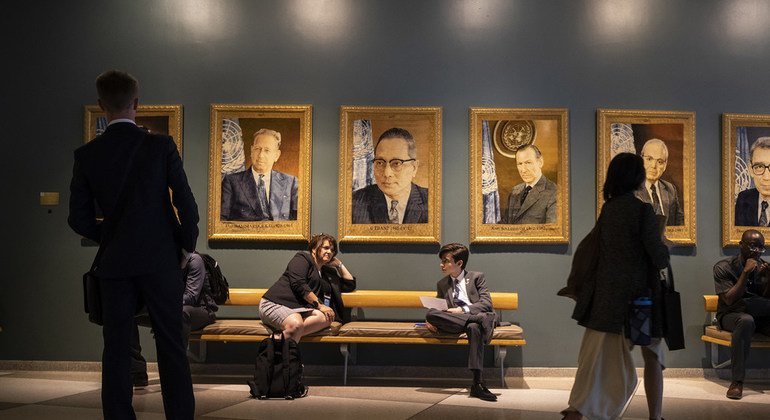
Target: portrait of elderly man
<point x="394" y="198"/>
<point x="751" y="204"/>
<point x="534" y="200"/>
<point x="660" y="193"/>
<point x="260" y="193"/>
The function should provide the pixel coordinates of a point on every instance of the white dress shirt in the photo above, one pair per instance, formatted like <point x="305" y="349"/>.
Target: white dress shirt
<point x="463" y="295"/>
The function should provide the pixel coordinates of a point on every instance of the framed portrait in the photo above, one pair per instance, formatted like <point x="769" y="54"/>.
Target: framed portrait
<point x="259" y="172"/>
<point x="745" y="175"/>
<point x="666" y="142"/>
<point x="160" y="119"/>
<point x="390" y="174"/>
<point x="519" y="183"/>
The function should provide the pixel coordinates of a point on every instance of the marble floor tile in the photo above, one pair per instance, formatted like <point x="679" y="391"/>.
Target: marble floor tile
<point x="49" y="412"/>
<point x="451" y="412"/>
<point x="546" y="400"/>
<point x="28" y="391"/>
<point x="326" y="407"/>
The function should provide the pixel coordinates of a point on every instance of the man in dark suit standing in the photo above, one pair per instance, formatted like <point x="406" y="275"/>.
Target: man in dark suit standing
<point x="394" y="198"/>
<point x="661" y="194"/>
<point x="751" y="204"/>
<point x="534" y="200"/>
<point x="260" y="193"/>
<point x="144" y="244"/>
<point x="469" y="311"/>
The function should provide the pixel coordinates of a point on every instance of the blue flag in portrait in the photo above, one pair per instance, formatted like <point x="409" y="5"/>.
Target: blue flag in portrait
<point x="489" y="178"/>
<point x="363" y="154"/>
<point x="233" y="159"/>
<point x="743" y="179"/>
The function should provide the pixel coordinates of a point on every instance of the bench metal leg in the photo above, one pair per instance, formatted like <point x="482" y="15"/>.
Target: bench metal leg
<point x="500" y="352"/>
<point x="198" y="356"/>
<point x="715" y="358"/>
<point x="345" y="353"/>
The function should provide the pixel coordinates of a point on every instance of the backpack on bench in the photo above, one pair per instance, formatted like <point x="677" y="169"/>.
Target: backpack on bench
<point x="278" y="370"/>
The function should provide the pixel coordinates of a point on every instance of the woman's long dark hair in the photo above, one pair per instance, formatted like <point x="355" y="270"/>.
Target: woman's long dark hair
<point x="625" y="174"/>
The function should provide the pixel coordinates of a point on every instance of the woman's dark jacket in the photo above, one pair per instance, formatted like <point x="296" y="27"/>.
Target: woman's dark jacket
<point x="302" y="277"/>
<point x="631" y="254"/>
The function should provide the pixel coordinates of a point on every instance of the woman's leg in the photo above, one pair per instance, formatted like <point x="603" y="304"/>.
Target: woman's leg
<point x="653" y="383"/>
<point x="293" y="327"/>
<point x="316" y="321"/>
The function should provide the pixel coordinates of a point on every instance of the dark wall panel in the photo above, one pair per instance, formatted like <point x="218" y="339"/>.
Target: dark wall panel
<point x="704" y="56"/>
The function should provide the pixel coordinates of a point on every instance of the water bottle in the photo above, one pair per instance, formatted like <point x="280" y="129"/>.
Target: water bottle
<point x="639" y="322"/>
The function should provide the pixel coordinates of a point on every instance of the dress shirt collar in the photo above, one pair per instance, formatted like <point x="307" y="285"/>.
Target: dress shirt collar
<point x="121" y="120"/>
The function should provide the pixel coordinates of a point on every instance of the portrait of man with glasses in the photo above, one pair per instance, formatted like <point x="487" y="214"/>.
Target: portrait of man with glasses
<point x="661" y="194"/>
<point x="751" y="206"/>
<point x="394" y="197"/>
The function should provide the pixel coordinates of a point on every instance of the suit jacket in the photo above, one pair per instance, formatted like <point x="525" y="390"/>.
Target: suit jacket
<point x="475" y="285"/>
<point x="148" y="237"/>
<point x="539" y="206"/>
<point x="669" y="200"/>
<point x="239" y="197"/>
<point x="747" y="208"/>
<point x="370" y="206"/>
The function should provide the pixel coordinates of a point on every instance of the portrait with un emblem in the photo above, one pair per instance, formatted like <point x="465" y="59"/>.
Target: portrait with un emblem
<point x="259" y="172"/>
<point x="665" y="140"/>
<point x="390" y="174"/>
<point x="745" y="175"/>
<point x="519" y="175"/>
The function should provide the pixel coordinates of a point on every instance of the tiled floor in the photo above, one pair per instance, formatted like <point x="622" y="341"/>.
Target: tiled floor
<point x="75" y="395"/>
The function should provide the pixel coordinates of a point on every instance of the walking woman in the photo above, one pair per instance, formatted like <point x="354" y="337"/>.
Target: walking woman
<point x="631" y="252"/>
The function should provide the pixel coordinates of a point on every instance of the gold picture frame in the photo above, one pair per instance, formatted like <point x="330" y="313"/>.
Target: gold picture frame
<point x="671" y="137"/>
<point x="363" y="212"/>
<point x="502" y="209"/>
<point x="236" y="213"/>
<point x="161" y="119"/>
<point x="740" y="192"/>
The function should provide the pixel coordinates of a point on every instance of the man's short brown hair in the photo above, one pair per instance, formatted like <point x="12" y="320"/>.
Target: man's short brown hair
<point x="116" y="89"/>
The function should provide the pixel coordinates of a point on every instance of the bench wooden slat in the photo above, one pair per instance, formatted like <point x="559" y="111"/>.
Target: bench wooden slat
<point x="375" y="298"/>
<point x="356" y="339"/>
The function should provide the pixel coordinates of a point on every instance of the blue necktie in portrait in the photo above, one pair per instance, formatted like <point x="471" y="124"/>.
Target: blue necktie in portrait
<point x="393" y="213"/>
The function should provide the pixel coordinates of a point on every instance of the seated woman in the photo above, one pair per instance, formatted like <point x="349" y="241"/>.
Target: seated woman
<point x="308" y="296"/>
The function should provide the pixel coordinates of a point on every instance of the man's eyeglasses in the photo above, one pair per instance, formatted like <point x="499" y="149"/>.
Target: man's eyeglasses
<point x="759" y="168"/>
<point x="651" y="160"/>
<point x="395" y="164"/>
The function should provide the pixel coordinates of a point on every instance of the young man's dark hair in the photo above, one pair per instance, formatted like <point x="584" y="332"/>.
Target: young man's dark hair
<point x="318" y="240"/>
<point x="459" y="252"/>
<point x="116" y="89"/>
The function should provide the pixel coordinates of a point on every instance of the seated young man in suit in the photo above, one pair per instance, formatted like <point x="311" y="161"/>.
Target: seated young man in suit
<point x="469" y="310"/>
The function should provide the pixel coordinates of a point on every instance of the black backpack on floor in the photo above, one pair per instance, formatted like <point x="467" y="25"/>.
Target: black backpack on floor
<point x="278" y="370"/>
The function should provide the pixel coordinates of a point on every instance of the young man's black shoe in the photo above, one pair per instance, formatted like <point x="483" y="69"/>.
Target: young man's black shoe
<point x="478" y="390"/>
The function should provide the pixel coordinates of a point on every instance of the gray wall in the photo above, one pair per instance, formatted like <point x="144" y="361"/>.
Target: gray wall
<point x="704" y="56"/>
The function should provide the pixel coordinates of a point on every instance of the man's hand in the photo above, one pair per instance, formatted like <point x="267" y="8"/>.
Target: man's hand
<point x="751" y="264"/>
<point x="455" y="310"/>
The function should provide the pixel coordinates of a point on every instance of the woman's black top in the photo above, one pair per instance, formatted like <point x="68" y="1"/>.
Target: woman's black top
<point x="302" y="277"/>
<point x="631" y="252"/>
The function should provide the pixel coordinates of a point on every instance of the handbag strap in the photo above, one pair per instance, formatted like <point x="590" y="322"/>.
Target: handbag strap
<point x="109" y="224"/>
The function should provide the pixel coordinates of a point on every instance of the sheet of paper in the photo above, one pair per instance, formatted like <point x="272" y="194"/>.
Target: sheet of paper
<point x="433" y="303"/>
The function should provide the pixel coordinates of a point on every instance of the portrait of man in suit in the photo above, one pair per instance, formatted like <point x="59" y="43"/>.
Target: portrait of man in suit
<point x="534" y="200"/>
<point x="751" y="204"/>
<point x="661" y="194"/>
<point x="394" y="197"/>
<point x="260" y="193"/>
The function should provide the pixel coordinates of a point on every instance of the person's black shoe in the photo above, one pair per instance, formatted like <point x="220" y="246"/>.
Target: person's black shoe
<point x="478" y="390"/>
<point x="140" y="380"/>
<point x="735" y="392"/>
<point x="488" y="325"/>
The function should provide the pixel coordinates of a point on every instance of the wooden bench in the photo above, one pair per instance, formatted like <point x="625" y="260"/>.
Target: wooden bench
<point x="716" y="337"/>
<point x="359" y="330"/>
